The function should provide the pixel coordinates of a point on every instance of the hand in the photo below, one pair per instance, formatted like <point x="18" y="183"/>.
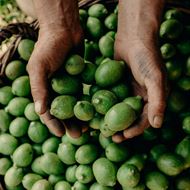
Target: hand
<point x="137" y="44"/>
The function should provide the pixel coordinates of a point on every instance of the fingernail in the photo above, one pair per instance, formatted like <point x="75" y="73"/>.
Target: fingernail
<point x="158" y="120"/>
<point x="38" y="107"/>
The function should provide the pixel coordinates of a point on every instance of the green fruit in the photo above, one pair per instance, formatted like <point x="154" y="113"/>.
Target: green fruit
<point x="30" y="112"/>
<point x="62" y="185"/>
<point x="51" y="164"/>
<point x="29" y="180"/>
<point x="64" y="138"/>
<point x="106" y="132"/>
<point x="89" y="50"/>
<point x="94" y="123"/>
<point x="183" y="149"/>
<point x="170" y="29"/>
<point x="170" y="164"/>
<point x="184" y="83"/>
<point x="37" y="132"/>
<point x="135" y="102"/>
<point x="182" y="183"/>
<point x="70" y="174"/>
<point x="36" y="166"/>
<point x="66" y="153"/>
<point x="99" y="59"/>
<point x="104" y="141"/>
<point x="18" y="187"/>
<point x="104" y="172"/>
<point x="42" y="184"/>
<point x="5" y="164"/>
<point x="5" y="95"/>
<point x="53" y="179"/>
<point x="149" y="134"/>
<point x="184" y="47"/>
<point x="51" y="145"/>
<point x="21" y="86"/>
<point x="74" y="65"/>
<point x="93" y="89"/>
<point x="84" y="174"/>
<point x="119" y="117"/>
<point x="128" y="175"/>
<point x="94" y="27"/>
<point x="186" y="124"/>
<point x="173" y="14"/>
<point x="8" y="144"/>
<point x="25" y="48"/>
<point x="86" y="154"/>
<point x="167" y="133"/>
<point x="109" y="73"/>
<point x="4" y="121"/>
<point x="79" y="186"/>
<point x="97" y="186"/>
<point x="14" y="176"/>
<point x="156" y="181"/>
<point x="111" y="34"/>
<point x="97" y="10"/>
<point x="37" y="148"/>
<point x="23" y="155"/>
<point x="17" y="106"/>
<point x="140" y="186"/>
<point x="103" y="100"/>
<point x="15" y="69"/>
<point x="167" y="50"/>
<point x="116" y="152"/>
<point x="106" y="46"/>
<point x="84" y="110"/>
<point x="19" y="127"/>
<point x="83" y="15"/>
<point x="156" y="151"/>
<point x="111" y="22"/>
<point x="85" y="97"/>
<point x="88" y="74"/>
<point x="62" y="107"/>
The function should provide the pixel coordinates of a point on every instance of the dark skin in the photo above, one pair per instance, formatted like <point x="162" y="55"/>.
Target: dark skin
<point x="136" y="44"/>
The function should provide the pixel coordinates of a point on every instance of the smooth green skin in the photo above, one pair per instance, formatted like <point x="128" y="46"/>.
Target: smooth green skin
<point x="187" y="67"/>
<point x="150" y="134"/>
<point x="53" y="179"/>
<point x="6" y="95"/>
<point x="17" y="106"/>
<point x="19" y="127"/>
<point x="74" y="65"/>
<point x="88" y="74"/>
<point x="29" y="180"/>
<point x="36" y="166"/>
<point x="18" y="187"/>
<point x="62" y="107"/>
<point x="85" y="97"/>
<point x="70" y="174"/>
<point x="111" y="34"/>
<point x="86" y="154"/>
<point x="42" y="184"/>
<point x="183" y="149"/>
<point x="120" y="117"/>
<point x="109" y="73"/>
<point x="79" y="186"/>
<point x="99" y="59"/>
<point x="62" y="185"/>
<point x="15" y="69"/>
<point x="104" y="172"/>
<point x="4" y="121"/>
<point x="173" y="14"/>
<point x="65" y="84"/>
<point x="21" y="86"/>
<point x="135" y="102"/>
<point x="5" y="164"/>
<point x="84" y="174"/>
<point x="121" y="90"/>
<point x="111" y="22"/>
<point x="184" y="47"/>
<point x="106" y="46"/>
<point x="93" y="89"/>
<point x="94" y="123"/>
<point x="14" y="176"/>
<point x="8" y="144"/>
<point x="94" y="27"/>
<point x="37" y="132"/>
<point x="104" y="141"/>
<point x="51" y="164"/>
<point x="64" y="138"/>
<point x="106" y="132"/>
<point x="37" y="149"/>
<point x="182" y="183"/>
<point x="170" y="164"/>
<point x="170" y="29"/>
<point x="156" y="151"/>
<point x="116" y="152"/>
<point x="97" y="10"/>
<point x="25" y="48"/>
<point x="84" y="110"/>
<point x="83" y="15"/>
<point x="128" y="175"/>
<point x="66" y="153"/>
<point x="184" y="83"/>
<point x="30" y="112"/>
<point x="140" y="186"/>
<point x="51" y="145"/>
<point x="97" y="186"/>
<point x="167" y="50"/>
<point x="103" y="100"/>
<point x="80" y="140"/>
<point x="186" y="125"/>
<point x="23" y="155"/>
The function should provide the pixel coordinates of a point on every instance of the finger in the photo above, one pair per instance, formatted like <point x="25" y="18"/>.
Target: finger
<point x="118" y="138"/>
<point x="139" y="127"/>
<point x="156" y="91"/>
<point x="53" y="124"/>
